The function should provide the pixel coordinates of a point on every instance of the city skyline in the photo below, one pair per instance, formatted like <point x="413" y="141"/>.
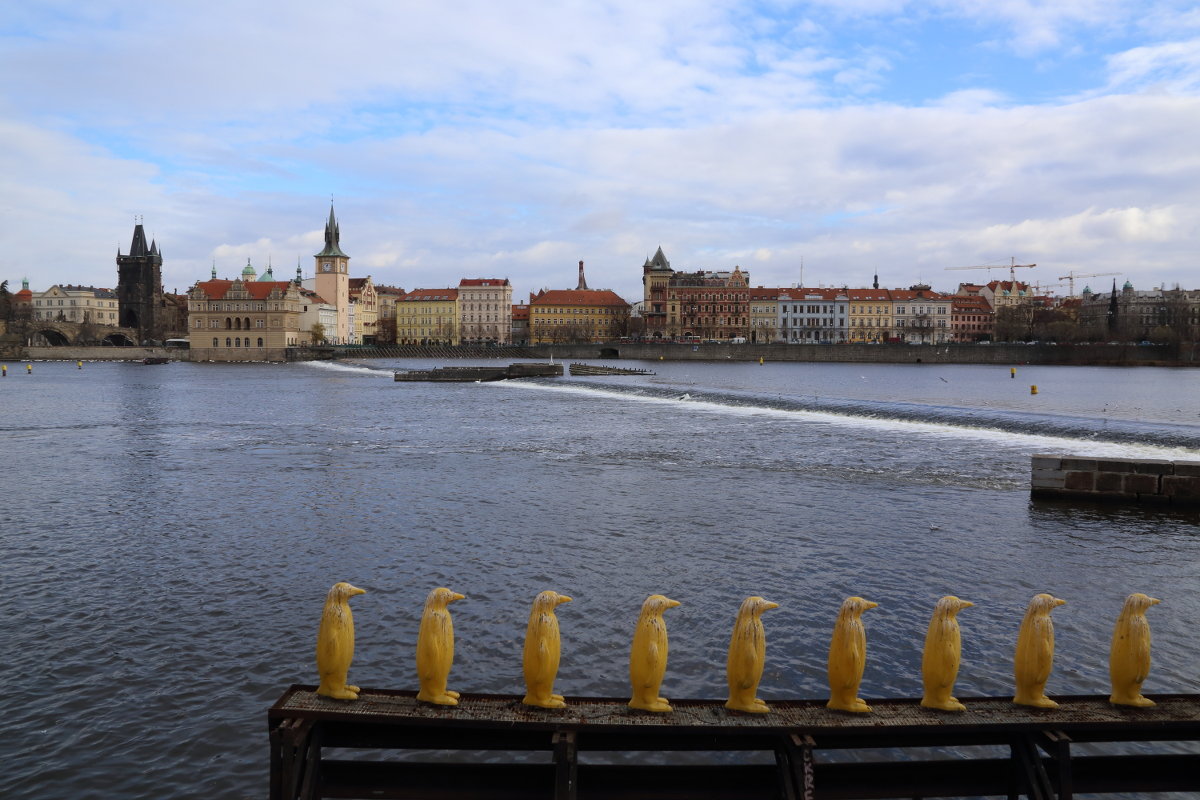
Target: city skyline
<point x="875" y="136"/>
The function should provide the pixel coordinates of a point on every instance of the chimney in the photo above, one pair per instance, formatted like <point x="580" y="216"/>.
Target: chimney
<point x="582" y="281"/>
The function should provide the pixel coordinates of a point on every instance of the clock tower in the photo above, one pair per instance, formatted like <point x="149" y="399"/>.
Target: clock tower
<point x="333" y="278"/>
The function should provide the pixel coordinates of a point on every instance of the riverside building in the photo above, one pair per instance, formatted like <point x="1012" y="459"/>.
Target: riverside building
<point x="428" y="316"/>
<point x="486" y="308"/>
<point x="243" y="319"/>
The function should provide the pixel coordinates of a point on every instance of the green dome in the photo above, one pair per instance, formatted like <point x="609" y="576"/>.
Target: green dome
<point x="248" y="274"/>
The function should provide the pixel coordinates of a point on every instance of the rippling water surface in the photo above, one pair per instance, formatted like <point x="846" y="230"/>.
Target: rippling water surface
<point x="170" y="532"/>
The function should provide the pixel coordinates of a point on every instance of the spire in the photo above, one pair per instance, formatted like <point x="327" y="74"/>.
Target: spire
<point x="153" y="247"/>
<point x="138" y="248"/>
<point x="214" y="272"/>
<point x="582" y="281"/>
<point x="299" y="277"/>
<point x="660" y="261"/>
<point x="876" y="284"/>
<point x="333" y="237"/>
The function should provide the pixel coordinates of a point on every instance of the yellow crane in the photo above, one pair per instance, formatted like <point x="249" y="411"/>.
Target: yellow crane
<point x="1071" y="276"/>
<point x="1012" y="268"/>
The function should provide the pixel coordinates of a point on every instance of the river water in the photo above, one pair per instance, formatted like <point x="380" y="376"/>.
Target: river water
<point x="169" y="534"/>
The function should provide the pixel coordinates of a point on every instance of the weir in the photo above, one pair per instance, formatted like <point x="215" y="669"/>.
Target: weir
<point x="482" y="749"/>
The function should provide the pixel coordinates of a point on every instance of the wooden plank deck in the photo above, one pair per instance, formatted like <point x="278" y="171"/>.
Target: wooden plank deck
<point x="1037" y="742"/>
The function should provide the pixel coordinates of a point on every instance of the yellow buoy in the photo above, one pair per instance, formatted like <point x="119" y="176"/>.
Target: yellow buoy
<point x="1033" y="389"/>
<point x="29" y="369"/>
<point x="1012" y="372"/>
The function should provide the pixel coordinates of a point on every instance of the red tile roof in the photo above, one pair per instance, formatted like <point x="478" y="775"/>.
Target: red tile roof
<point x="803" y="293"/>
<point x="878" y="295"/>
<point x="520" y="311"/>
<point x="258" y="290"/>
<point x="578" y="297"/>
<point x="419" y="295"/>
<point x="483" y="282"/>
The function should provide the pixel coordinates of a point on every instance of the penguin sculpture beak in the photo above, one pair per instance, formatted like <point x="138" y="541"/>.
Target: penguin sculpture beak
<point x="672" y="603"/>
<point x="456" y="596"/>
<point x="768" y="605"/>
<point x="354" y="590"/>
<point x="1058" y="602"/>
<point x="1154" y="601"/>
<point x="965" y="603"/>
<point x="562" y="598"/>
<point x="870" y="604"/>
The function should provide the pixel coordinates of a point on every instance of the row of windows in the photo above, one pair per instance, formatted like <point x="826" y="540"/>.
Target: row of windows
<point x="97" y="304"/>
<point x="71" y="315"/>
<point x="237" y="341"/>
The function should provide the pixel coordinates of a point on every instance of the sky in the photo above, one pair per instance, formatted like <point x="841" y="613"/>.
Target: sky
<point x="810" y="143"/>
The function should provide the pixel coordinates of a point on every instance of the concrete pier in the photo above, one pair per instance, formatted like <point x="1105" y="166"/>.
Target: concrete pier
<point x="1121" y="480"/>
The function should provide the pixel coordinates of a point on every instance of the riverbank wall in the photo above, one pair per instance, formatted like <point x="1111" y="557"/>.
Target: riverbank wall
<point x="70" y="353"/>
<point x="1006" y="354"/>
<point x="1117" y="480"/>
<point x="1108" y="355"/>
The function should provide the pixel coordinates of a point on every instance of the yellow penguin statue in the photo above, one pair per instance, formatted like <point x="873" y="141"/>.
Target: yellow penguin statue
<point x="1035" y="652"/>
<point x="943" y="652"/>
<point x="335" y="643"/>
<point x="848" y="656"/>
<point x="747" y="654"/>
<point x="648" y="656"/>
<point x="1129" y="663"/>
<point x="435" y="648"/>
<point x="542" y="651"/>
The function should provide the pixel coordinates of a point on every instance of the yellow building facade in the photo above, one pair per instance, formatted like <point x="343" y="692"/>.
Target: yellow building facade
<point x="366" y="310"/>
<point x="577" y="315"/>
<point x="764" y="315"/>
<point x="870" y="315"/>
<point x="428" y="316"/>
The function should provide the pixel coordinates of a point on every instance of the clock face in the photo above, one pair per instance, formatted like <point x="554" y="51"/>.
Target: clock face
<point x="327" y="267"/>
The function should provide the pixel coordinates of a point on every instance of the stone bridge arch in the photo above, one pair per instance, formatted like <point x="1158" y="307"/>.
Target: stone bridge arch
<point x="51" y="335"/>
<point x="47" y="333"/>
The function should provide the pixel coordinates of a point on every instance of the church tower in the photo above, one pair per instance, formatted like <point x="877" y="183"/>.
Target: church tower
<point x="139" y="288"/>
<point x="333" y="278"/>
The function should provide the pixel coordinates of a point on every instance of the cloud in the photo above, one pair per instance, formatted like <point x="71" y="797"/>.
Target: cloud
<point x="512" y="140"/>
<point x="1171" y="66"/>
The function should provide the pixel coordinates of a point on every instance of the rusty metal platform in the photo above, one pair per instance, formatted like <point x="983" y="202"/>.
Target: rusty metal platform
<point x="1040" y="762"/>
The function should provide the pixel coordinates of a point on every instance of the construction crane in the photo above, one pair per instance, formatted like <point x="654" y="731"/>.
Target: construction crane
<point x="1071" y="276"/>
<point x="1012" y="268"/>
<point x="1037" y="287"/>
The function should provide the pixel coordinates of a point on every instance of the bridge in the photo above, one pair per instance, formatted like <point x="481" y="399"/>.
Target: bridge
<point x="52" y="333"/>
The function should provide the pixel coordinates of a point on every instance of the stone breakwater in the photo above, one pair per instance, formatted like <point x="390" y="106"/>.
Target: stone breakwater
<point x="1124" y="480"/>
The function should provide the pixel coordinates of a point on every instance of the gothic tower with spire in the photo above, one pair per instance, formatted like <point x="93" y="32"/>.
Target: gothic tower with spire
<point x="139" y="288"/>
<point x="333" y="278"/>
